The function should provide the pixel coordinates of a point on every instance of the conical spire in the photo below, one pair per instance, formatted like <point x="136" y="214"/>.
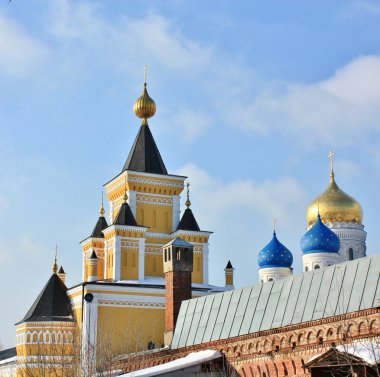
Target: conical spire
<point x="52" y="304"/>
<point x="188" y="203"/>
<point x="125" y="215"/>
<point x="55" y="265"/>
<point x="144" y="155"/>
<point x="188" y="221"/>
<point x="102" y="211"/>
<point x="101" y="224"/>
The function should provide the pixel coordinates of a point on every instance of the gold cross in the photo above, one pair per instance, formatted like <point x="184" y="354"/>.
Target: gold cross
<point x="331" y="157"/>
<point x="145" y="73"/>
<point x="274" y="224"/>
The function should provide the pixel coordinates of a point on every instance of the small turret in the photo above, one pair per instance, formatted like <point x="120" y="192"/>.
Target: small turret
<point x="62" y="275"/>
<point x="92" y="274"/>
<point x="229" y="273"/>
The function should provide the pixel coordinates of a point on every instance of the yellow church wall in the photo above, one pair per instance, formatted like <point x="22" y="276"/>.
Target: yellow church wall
<point x="197" y="274"/>
<point x="154" y="265"/>
<point x="156" y="217"/>
<point x="127" y="330"/>
<point x="129" y="264"/>
<point x="110" y="262"/>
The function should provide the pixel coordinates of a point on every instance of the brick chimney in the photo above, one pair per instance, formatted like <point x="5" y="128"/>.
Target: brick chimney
<point x="178" y="266"/>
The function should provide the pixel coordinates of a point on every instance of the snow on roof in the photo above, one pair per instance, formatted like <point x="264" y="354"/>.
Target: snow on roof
<point x="368" y="350"/>
<point x="190" y="360"/>
<point x="9" y="360"/>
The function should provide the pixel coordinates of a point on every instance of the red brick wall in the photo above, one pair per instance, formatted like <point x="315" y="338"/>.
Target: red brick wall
<point x="177" y="289"/>
<point x="278" y="352"/>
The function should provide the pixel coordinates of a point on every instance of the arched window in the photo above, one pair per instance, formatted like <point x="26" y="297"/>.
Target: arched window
<point x="151" y="346"/>
<point x="154" y="219"/>
<point x="166" y="219"/>
<point x="350" y="254"/>
<point x="316" y="267"/>
<point x="306" y="268"/>
<point x="133" y="260"/>
<point x="285" y="369"/>
<point x="154" y="264"/>
<point x="270" y="279"/>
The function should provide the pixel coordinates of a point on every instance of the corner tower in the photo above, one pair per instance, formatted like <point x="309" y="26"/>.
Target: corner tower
<point x="343" y="215"/>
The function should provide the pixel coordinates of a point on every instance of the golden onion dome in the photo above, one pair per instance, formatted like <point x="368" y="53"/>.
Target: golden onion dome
<point x="334" y="205"/>
<point x="144" y="107"/>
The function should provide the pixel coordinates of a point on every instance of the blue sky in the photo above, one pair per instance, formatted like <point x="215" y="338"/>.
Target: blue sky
<point x="250" y="97"/>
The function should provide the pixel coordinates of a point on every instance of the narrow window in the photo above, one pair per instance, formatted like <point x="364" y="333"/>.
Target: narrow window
<point x="350" y="254"/>
<point x="316" y="267"/>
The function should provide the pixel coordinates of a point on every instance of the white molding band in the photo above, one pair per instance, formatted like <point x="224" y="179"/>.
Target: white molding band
<point x="205" y="262"/>
<point x="176" y="211"/>
<point x="141" y="268"/>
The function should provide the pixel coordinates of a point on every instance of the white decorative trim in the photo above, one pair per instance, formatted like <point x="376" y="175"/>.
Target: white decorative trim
<point x="132" y="201"/>
<point x="90" y="327"/>
<point x="176" y="211"/>
<point x="159" y="235"/>
<point x="131" y="304"/>
<point x="190" y="233"/>
<point x="141" y="259"/>
<point x="159" y="200"/>
<point x="273" y="273"/>
<point x="311" y="260"/>
<point x="117" y="258"/>
<point x="205" y="262"/>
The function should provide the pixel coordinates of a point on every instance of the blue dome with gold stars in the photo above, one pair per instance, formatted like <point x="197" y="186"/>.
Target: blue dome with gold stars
<point x="275" y="254"/>
<point x="320" y="239"/>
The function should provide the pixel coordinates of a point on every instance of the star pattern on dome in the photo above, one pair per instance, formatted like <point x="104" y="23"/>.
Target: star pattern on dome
<point x="275" y="254"/>
<point x="320" y="239"/>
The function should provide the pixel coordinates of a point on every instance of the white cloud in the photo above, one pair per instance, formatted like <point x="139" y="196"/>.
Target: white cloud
<point x="341" y="110"/>
<point x="191" y="123"/>
<point x="280" y="198"/>
<point x="126" y="42"/>
<point x="240" y="212"/>
<point x="20" y="54"/>
<point x="347" y="169"/>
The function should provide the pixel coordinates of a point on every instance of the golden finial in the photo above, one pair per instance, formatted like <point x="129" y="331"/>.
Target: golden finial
<point x="55" y="265"/>
<point x="331" y="157"/>
<point x="102" y="211"/>
<point x="274" y="224"/>
<point x="144" y="107"/>
<point x="125" y="191"/>
<point x="188" y="203"/>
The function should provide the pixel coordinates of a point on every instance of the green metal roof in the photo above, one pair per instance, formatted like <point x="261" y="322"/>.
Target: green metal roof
<point x="326" y="292"/>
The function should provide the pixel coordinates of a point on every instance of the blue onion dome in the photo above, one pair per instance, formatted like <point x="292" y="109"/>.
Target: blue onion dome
<point x="320" y="239"/>
<point x="275" y="254"/>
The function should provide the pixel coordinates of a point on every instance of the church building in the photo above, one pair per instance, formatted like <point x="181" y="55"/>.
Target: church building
<point x="145" y="306"/>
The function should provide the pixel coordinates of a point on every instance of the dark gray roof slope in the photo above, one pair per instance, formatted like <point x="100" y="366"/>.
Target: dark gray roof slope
<point x="99" y="227"/>
<point x="330" y="291"/>
<point x="125" y="216"/>
<point x="144" y="155"/>
<point x="188" y="221"/>
<point x="8" y="353"/>
<point x="52" y="304"/>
